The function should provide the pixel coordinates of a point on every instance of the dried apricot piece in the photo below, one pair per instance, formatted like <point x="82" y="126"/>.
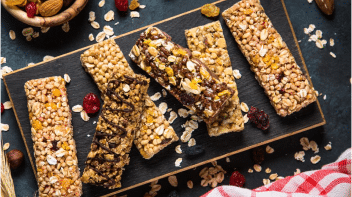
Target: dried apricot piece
<point x="134" y="4"/>
<point x="210" y="10"/>
<point x="15" y="2"/>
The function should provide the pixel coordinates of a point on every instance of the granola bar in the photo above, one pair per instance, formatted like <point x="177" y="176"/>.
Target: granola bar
<point x="52" y="135"/>
<point x="103" y="60"/>
<point x="186" y="78"/>
<point x="208" y="44"/>
<point x="116" y="128"/>
<point x="269" y="57"/>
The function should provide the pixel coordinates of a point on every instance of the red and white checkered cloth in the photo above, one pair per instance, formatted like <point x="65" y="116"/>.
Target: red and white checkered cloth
<point x="332" y="180"/>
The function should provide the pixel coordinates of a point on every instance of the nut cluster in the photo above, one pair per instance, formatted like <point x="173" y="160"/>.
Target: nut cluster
<point x="272" y="62"/>
<point x="52" y="135"/>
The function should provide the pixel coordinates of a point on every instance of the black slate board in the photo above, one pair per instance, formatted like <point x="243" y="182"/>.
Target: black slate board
<point x="141" y="171"/>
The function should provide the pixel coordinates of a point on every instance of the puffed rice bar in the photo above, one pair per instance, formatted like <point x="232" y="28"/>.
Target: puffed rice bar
<point x="272" y="62"/>
<point x="186" y="78"/>
<point x="52" y="135"/>
<point x="106" y="58"/>
<point x="208" y="44"/>
<point x="116" y="128"/>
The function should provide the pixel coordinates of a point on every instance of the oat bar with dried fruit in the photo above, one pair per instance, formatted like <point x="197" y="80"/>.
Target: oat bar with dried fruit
<point x="52" y="135"/>
<point x="270" y="59"/>
<point x="186" y="78"/>
<point x="208" y="44"/>
<point x="116" y="128"/>
<point x="104" y="59"/>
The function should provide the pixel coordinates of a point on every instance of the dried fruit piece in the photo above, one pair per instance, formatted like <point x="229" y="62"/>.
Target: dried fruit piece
<point x="15" y="158"/>
<point x="194" y="150"/>
<point x="259" y="118"/>
<point x="210" y="10"/>
<point x="31" y="9"/>
<point x="91" y="103"/>
<point x="237" y="179"/>
<point x="134" y="5"/>
<point x="258" y="155"/>
<point x="15" y="2"/>
<point x="2" y="108"/>
<point x="121" y="5"/>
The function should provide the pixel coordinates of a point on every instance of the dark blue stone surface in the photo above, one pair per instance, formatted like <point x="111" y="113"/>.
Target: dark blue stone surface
<point x="330" y="76"/>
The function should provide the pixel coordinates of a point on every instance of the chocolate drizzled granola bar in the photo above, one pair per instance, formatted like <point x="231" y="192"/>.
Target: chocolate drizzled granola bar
<point x="52" y="135"/>
<point x="269" y="57"/>
<point x="116" y="128"/>
<point x="104" y="59"/>
<point x="208" y="43"/>
<point x="186" y="78"/>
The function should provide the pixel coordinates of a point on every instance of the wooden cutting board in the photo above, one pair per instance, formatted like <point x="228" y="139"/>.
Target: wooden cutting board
<point x="141" y="171"/>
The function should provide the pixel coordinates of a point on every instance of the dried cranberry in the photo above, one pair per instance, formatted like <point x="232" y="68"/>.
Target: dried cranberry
<point x="259" y="118"/>
<point x="237" y="179"/>
<point x="121" y="5"/>
<point x="2" y="108"/>
<point x="91" y="103"/>
<point x="31" y="9"/>
<point x="258" y="155"/>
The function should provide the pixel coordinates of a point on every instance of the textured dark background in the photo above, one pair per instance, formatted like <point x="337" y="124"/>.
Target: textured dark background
<point x="330" y="76"/>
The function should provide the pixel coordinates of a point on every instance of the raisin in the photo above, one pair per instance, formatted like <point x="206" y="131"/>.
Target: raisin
<point x="186" y="99"/>
<point x="194" y="150"/>
<point x="258" y="155"/>
<point x="210" y="10"/>
<point x="54" y="143"/>
<point x="173" y="194"/>
<point x="237" y="179"/>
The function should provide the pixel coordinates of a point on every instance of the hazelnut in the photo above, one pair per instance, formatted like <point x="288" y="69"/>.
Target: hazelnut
<point x="15" y="158"/>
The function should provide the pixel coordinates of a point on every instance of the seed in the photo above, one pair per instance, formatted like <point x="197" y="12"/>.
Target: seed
<point x="313" y="145"/>
<point x="333" y="54"/>
<point x="173" y="180"/>
<point x="95" y="25"/>
<point x="332" y="42"/>
<point x="228" y="160"/>
<point x="300" y="156"/>
<point x="155" y="188"/>
<point x="12" y="35"/>
<point x="190" y="184"/>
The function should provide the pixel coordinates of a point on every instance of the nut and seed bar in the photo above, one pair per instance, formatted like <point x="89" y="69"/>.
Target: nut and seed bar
<point x="208" y="44"/>
<point x="116" y="128"/>
<point x="272" y="62"/>
<point x="186" y="78"/>
<point x="103" y="60"/>
<point x="52" y="135"/>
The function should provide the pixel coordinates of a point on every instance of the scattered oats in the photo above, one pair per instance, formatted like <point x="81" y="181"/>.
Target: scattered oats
<point x="100" y="36"/>
<point x="192" y="124"/>
<point x="30" y="64"/>
<point x="316" y="92"/>
<point x="126" y="88"/>
<point x="263" y="51"/>
<point x="313" y="38"/>
<point x="333" y="54"/>
<point x="245" y="118"/>
<point x="2" y="60"/>
<point x="163" y="107"/>
<point x="88" y="135"/>
<point x="155" y="188"/>
<point x="319" y="44"/>
<point x="269" y="150"/>
<point x="257" y="167"/>
<point x="328" y="146"/>
<point x="91" y="37"/>
<point x="178" y="149"/>
<point x="319" y="33"/>
<point x="108" y="30"/>
<point x="267" y="170"/>
<point x="324" y="97"/>
<point x="35" y="35"/>
<point x="266" y="181"/>
<point x="190" y="184"/>
<point x="250" y="170"/>
<point x="6" y="146"/>
<point x="332" y="42"/>
<point x="214" y="163"/>
<point x="273" y="176"/>
<point x="156" y="96"/>
<point x="67" y="78"/>
<point x="183" y="113"/>
<point x="44" y="29"/>
<point x="228" y="160"/>
<point x="315" y="159"/>
<point x="300" y="156"/>
<point x="236" y="73"/>
<point x="29" y="38"/>
<point x="12" y="35"/>
<point x="109" y="16"/>
<point x="84" y="116"/>
<point x="310" y="1"/>
<point x="244" y="107"/>
<point x="299" y="41"/>
<point x="168" y="110"/>
<point x="311" y="27"/>
<point x="101" y="3"/>
<point x="134" y="14"/>
<point x="5" y="127"/>
<point x="306" y="31"/>
<point x="196" y="118"/>
<point x="173" y="116"/>
<point x="173" y="180"/>
<point x="27" y="31"/>
<point x="95" y="25"/>
<point x="164" y="92"/>
<point x="191" y="142"/>
<point x="142" y="6"/>
<point x="91" y="16"/>
<point x="77" y="108"/>
<point x="324" y="42"/>
<point x="314" y="146"/>
<point x="116" y="23"/>
<point x="187" y="134"/>
<point x="94" y="122"/>
<point x="66" y="27"/>
<point x="305" y="143"/>
<point x="51" y="160"/>
<point x="47" y="58"/>
<point x="7" y="105"/>
<point x="297" y="171"/>
<point x="5" y="70"/>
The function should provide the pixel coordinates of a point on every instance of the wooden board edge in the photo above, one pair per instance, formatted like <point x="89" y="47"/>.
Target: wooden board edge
<point x="215" y="159"/>
<point x="301" y="55"/>
<point x="21" y="130"/>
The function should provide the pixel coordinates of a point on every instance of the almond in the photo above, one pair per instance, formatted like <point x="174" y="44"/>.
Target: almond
<point x="326" y="6"/>
<point x="50" y="7"/>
